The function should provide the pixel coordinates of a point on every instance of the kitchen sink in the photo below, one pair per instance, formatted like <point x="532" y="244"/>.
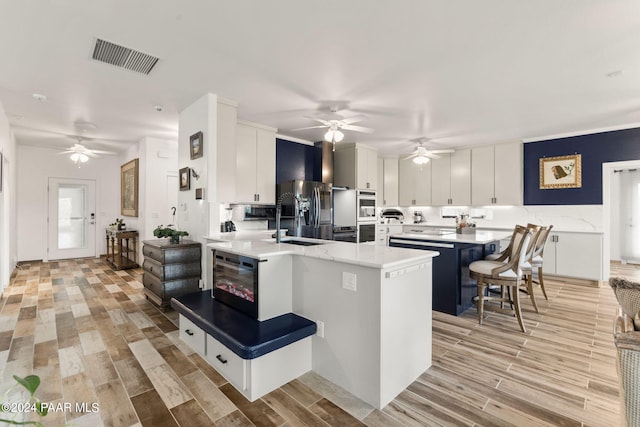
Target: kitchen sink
<point x="301" y="242"/>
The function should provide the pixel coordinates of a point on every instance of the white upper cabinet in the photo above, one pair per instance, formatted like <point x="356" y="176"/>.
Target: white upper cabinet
<point x="496" y="175"/>
<point x="355" y="166"/>
<point x="255" y="163"/>
<point x="414" y="183"/>
<point x="451" y="179"/>
<point x="387" y="181"/>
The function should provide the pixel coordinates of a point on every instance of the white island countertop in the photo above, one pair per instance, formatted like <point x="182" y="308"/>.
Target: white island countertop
<point x="442" y="235"/>
<point x="363" y="254"/>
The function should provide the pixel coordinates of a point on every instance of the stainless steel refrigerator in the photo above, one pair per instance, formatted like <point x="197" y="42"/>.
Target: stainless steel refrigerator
<point x="309" y="214"/>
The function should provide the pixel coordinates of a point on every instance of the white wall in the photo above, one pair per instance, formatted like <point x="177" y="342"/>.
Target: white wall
<point x="8" y="250"/>
<point x="34" y="167"/>
<point x="160" y="160"/>
<point x="193" y="215"/>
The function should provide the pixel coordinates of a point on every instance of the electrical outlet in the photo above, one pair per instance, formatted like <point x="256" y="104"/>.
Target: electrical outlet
<point x="320" y="329"/>
<point x="349" y="281"/>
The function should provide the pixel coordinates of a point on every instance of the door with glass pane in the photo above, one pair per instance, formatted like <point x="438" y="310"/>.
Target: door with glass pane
<point x="72" y="229"/>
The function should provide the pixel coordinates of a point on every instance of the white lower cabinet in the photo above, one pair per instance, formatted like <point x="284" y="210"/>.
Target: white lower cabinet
<point x="229" y="364"/>
<point x="383" y="231"/>
<point x="192" y="335"/>
<point x="256" y="377"/>
<point x="252" y="377"/>
<point x="576" y="255"/>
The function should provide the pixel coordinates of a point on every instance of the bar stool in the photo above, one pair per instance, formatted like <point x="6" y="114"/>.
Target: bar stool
<point x="537" y="260"/>
<point x="507" y="274"/>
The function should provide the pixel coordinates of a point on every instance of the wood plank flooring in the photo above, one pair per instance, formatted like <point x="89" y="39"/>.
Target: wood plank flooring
<point x="92" y="337"/>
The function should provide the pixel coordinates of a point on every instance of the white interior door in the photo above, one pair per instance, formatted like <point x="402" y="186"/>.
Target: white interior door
<point x="72" y="219"/>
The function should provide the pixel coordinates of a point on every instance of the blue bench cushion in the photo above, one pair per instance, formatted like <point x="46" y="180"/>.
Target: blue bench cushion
<point x="248" y="338"/>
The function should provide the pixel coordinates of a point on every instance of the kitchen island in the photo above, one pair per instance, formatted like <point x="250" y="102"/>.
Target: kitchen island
<point x="453" y="288"/>
<point x="371" y="304"/>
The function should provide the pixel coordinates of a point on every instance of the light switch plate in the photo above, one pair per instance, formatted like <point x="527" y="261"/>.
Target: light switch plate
<point x="349" y="281"/>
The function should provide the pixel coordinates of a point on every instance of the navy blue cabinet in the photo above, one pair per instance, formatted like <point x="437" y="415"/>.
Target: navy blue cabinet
<point x="453" y="288"/>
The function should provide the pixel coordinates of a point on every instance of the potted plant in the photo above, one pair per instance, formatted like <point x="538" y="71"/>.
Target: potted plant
<point x="168" y="231"/>
<point x="118" y="224"/>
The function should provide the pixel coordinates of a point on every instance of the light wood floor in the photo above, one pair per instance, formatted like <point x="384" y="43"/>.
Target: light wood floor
<point x="92" y="337"/>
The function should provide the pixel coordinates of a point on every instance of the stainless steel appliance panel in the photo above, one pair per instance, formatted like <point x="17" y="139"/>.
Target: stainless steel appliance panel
<point x="366" y="201"/>
<point x="345" y="210"/>
<point x="366" y="232"/>
<point x="310" y="214"/>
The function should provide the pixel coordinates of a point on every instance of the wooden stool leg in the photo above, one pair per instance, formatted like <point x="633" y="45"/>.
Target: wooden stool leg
<point x="530" y="291"/>
<point x="516" y="303"/>
<point x="481" y="289"/>
<point x="541" y="280"/>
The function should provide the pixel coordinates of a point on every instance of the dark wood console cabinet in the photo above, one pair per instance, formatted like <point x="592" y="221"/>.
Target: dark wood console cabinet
<point x="122" y="248"/>
<point x="170" y="269"/>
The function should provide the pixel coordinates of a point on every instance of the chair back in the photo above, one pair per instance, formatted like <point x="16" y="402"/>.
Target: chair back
<point x="542" y="241"/>
<point x="521" y="245"/>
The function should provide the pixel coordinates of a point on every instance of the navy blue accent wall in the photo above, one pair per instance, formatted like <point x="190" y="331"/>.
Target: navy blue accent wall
<point x="295" y="161"/>
<point x="596" y="149"/>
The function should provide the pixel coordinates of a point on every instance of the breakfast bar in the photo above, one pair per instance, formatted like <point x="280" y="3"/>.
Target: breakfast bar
<point x="453" y="288"/>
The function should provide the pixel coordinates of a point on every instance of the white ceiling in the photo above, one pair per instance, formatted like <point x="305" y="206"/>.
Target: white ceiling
<point x="459" y="72"/>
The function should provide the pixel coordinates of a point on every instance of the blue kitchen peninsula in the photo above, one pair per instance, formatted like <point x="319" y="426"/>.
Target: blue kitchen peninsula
<point x="453" y="288"/>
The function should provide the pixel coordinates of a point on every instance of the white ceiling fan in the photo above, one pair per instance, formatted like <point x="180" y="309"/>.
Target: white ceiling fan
<point x="336" y="123"/>
<point x="80" y="153"/>
<point x="422" y="155"/>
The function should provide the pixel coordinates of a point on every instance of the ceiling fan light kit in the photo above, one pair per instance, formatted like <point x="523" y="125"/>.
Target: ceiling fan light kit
<point x="333" y="136"/>
<point x="79" y="158"/>
<point x="421" y="160"/>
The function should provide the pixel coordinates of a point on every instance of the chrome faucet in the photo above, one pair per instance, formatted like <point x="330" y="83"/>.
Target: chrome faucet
<point x="279" y="211"/>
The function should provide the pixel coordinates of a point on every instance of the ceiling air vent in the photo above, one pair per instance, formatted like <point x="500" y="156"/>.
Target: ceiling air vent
<point x="123" y="57"/>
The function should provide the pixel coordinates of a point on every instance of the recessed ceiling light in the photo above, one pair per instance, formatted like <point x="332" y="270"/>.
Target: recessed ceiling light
<point x="39" y="97"/>
<point x="158" y="108"/>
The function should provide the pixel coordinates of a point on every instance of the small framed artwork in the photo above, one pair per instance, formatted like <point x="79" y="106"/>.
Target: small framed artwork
<point x="129" y="188"/>
<point x="561" y="172"/>
<point x="195" y="142"/>
<point x="185" y="179"/>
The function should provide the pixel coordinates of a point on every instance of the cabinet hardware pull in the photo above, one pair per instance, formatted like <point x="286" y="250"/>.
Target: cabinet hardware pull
<point x="188" y="332"/>
<point x="221" y="359"/>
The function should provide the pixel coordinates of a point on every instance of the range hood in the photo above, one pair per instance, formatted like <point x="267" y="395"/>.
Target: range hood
<point x="325" y="162"/>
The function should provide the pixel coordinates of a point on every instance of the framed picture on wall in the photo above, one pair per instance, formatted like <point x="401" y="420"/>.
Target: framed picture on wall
<point x="561" y="172"/>
<point x="195" y="144"/>
<point x="185" y="179"/>
<point x="129" y="188"/>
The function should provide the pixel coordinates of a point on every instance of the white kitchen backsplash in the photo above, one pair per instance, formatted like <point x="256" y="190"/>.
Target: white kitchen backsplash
<point x="563" y="218"/>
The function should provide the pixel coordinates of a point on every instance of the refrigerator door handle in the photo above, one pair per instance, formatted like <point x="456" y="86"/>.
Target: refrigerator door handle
<point x="318" y="206"/>
<point x="315" y="207"/>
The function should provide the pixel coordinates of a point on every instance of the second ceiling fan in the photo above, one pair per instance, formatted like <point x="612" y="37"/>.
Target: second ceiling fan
<point x="422" y="155"/>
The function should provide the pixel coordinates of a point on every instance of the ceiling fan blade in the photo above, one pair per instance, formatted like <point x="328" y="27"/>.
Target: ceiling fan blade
<point x="431" y="155"/>
<point x="310" y="127"/>
<point x="450" y="150"/>
<point x="353" y="119"/>
<point x="410" y="156"/>
<point x="106" y="153"/>
<point x="357" y="128"/>
<point x="66" y="152"/>
<point x="323" y="121"/>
